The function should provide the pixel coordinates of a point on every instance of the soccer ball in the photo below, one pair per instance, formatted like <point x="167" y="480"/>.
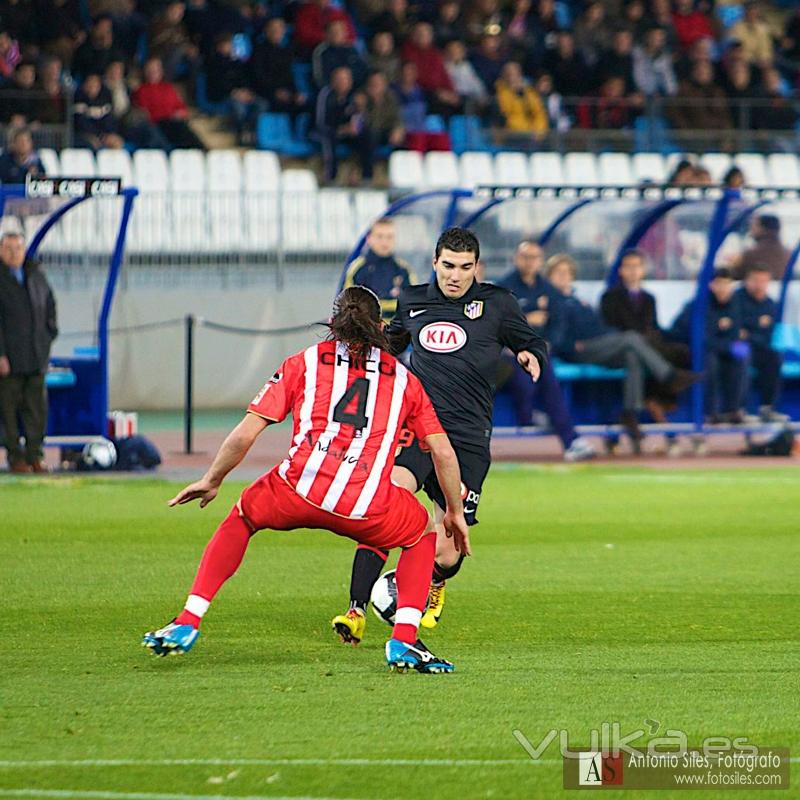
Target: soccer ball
<point x="384" y="597"/>
<point x="99" y="455"/>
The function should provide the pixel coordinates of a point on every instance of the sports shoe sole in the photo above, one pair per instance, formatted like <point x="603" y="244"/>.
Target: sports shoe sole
<point x="345" y="634"/>
<point x="162" y="649"/>
<point x="401" y="667"/>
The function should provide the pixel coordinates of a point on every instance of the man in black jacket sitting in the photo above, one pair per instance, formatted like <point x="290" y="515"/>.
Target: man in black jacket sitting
<point x="27" y="330"/>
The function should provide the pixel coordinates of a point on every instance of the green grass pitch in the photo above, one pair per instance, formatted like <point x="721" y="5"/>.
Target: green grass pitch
<point x="594" y="595"/>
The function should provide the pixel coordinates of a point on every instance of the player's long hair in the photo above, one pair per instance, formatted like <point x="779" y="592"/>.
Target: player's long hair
<point x="356" y="322"/>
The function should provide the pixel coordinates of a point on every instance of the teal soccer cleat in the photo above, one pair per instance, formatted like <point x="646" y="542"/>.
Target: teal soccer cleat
<point x="171" y="640"/>
<point x="401" y="657"/>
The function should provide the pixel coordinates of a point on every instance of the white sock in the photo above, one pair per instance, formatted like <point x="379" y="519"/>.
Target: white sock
<point x="197" y="605"/>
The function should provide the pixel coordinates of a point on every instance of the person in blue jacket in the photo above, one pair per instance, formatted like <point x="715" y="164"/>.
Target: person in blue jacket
<point x="380" y="270"/>
<point x="758" y="322"/>
<point x="585" y="338"/>
<point x="727" y="360"/>
<point x="541" y="304"/>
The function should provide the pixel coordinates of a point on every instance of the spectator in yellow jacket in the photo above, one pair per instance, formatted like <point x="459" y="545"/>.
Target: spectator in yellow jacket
<point x="519" y="104"/>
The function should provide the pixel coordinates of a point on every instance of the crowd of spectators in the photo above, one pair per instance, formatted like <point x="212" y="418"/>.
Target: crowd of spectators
<point x="525" y="67"/>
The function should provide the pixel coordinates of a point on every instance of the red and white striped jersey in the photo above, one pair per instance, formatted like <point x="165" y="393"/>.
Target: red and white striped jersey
<point x="348" y="418"/>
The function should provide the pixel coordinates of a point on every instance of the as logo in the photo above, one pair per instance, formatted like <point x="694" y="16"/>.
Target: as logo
<point x="474" y="309"/>
<point x="442" y="337"/>
<point x="274" y="379"/>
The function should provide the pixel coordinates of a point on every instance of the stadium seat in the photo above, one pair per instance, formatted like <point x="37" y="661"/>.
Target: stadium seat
<point x="262" y="171"/>
<point x="112" y="164"/>
<point x="441" y="170"/>
<point x="262" y="182"/>
<point x="188" y="201"/>
<point x="115" y="164"/>
<point x="78" y="227"/>
<point x="466" y="133"/>
<point x="580" y="169"/>
<point x="717" y="164"/>
<point x="405" y="169"/>
<point x="754" y="167"/>
<point x="475" y="169"/>
<point x="370" y="204"/>
<point x="783" y="170"/>
<point x="511" y="169"/>
<point x="546" y="169"/>
<point x="224" y="180"/>
<point x="615" y="169"/>
<point x="335" y="213"/>
<point x="151" y="224"/>
<point x="274" y="132"/>
<point x="50" y="161"/>
<point x="649" y="168"/>
<point x="300" y="218"/>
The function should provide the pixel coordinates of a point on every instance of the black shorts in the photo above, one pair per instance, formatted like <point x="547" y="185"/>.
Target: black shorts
<point x="474" y="468"/>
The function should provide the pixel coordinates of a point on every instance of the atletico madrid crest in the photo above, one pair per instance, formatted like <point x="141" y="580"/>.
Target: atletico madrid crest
<point x="474" y="309"/>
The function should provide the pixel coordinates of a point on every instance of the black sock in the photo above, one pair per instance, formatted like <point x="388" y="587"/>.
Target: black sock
<point x="441" y="574"/>
<point x="367" y="565"/>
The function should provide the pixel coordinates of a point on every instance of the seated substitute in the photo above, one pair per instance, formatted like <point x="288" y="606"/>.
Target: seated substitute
<point x="727" y="356"/>
<point x="758" y="322"/>
<point x="629" y="307"/>
<point x="585" y="338"/>
<point x="542" y="305"/>
<point x="380" y="270"/>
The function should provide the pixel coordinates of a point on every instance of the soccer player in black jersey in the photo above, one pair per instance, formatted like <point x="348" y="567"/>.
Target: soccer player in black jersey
<point x="457" y="328"/>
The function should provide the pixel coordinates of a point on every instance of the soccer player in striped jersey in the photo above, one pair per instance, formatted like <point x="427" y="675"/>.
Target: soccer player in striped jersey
<point x="350" y="401"/>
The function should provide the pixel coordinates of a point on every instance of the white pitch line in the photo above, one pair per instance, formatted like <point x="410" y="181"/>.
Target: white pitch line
<point x="283" y="762"/>
<point x="89" y="794"/>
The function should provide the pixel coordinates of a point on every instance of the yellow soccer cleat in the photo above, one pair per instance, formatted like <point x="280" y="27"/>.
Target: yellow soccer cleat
<point x="350" y="626"/>
<point x="430" y="618"/>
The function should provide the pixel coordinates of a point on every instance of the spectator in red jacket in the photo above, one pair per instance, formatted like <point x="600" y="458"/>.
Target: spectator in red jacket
<point x="690" y="24"/>
<point x="165" y="107"/>
<point x="433" y="76"/>
<point x="311" y="22"/>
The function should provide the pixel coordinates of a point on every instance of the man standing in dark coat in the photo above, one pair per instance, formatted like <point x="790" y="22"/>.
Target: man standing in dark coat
<point x="27" y="330"/>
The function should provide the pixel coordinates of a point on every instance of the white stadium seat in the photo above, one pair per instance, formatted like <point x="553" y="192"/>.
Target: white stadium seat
<point x="615" y="169"/>
<point x="79" y="227"/>
<point x="225" y="217"/>
<point x="783" y="171"/>
<point x="717" y="164"/>
<point x="262" y="183"/>
<point x="476" y="169"/>
<point x="112" y="164"/>
<point x="649" y="168"/>
<point x="754" y="167"/>
<point x="441" y="170"/>
<point x="405" y="169"/>
<point x="511" y="169"/>
<point x="151" y="227"/>
<point x="187" y="183"/>
<point x="115" y="164"/>
<point x="336" y="222"/>
<point x="50" y="162"/>
<point x="546" y="169"/>
<point x="299" y="210"/>
<point x="262" y="171"/>
<point x="580" y="169"/>
<point x="370" y="204"/>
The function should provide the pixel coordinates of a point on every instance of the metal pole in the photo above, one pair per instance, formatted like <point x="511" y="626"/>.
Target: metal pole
<point x="188" y="404"/>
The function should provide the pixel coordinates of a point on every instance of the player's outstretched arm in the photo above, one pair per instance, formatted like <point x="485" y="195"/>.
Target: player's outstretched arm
<point x="230" y="454"/>
<point x="449" y="476"/>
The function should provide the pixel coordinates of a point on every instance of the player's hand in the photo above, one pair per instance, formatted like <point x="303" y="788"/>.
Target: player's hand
<point x="202" y="490"/>
<point x="456" y="528"/>
<point x="530" y="364"/>
<point x="5" y="366"/>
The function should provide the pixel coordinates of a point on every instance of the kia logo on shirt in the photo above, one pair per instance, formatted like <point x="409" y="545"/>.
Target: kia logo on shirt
<point x="442" y="337"/>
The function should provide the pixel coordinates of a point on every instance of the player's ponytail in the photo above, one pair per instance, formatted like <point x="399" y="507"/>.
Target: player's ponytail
<point x="356" y="322"/>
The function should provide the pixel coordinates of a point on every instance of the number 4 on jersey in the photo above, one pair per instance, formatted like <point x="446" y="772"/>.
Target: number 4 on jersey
<point x="357" y="392"/>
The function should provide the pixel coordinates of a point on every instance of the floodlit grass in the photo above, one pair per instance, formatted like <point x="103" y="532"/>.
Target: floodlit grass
<point x="595" y="595"/>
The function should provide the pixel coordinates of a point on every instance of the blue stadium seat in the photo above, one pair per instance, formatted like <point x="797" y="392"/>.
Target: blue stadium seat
<point x="569" y="373"/>
<point x="434" y="124"/>
<point x="201" y="96"/>
<point x="651" y="134"/>
<point x="302" y="78"/>
<point x="274" y="132"/>
<point x="791" y="370"/>
<point x="466" y="134"/>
